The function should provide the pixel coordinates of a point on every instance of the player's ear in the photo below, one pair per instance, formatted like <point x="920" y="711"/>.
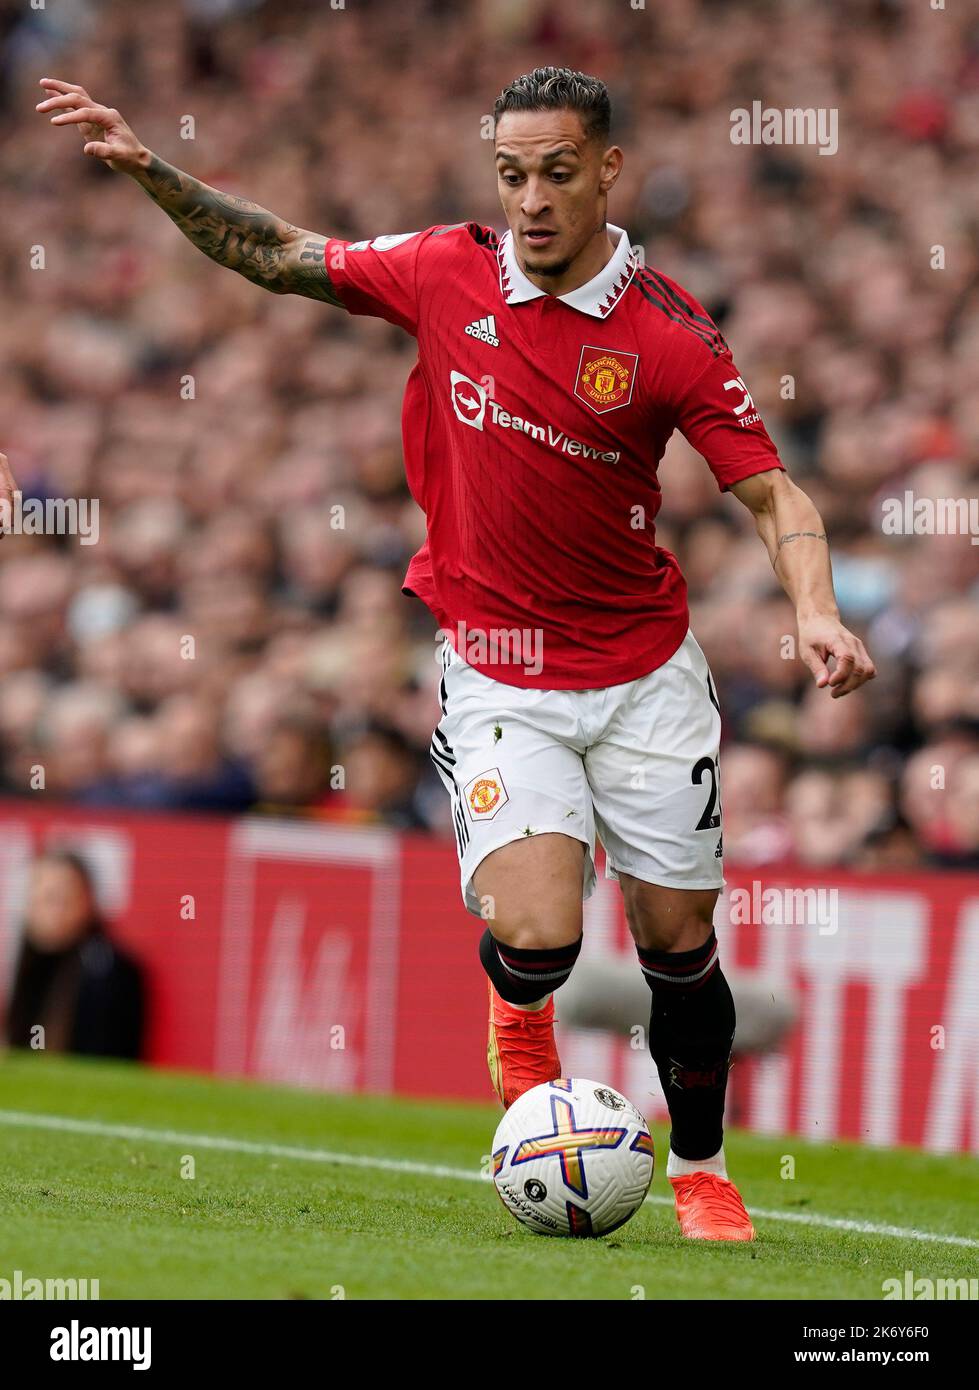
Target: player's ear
<point x="612" y="161"/>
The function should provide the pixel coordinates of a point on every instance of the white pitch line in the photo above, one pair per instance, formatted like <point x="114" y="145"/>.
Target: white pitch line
<point x="65" y="1124"/>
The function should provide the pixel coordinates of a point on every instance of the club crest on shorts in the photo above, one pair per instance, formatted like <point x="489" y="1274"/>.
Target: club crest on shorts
<point x="485" y="795"/>
<point x="605" y="379"/>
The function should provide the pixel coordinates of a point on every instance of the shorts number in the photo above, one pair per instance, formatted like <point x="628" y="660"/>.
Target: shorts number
<point x="711" y="818"/>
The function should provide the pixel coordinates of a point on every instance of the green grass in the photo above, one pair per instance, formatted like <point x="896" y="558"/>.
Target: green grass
<point x="260" y="1225"/>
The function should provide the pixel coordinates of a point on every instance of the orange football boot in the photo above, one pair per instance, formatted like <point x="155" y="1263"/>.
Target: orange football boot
<point x="521" y="1052"/>
<point x="709" y="1207"/>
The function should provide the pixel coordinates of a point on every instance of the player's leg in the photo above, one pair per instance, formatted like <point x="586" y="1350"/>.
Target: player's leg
<point x="654" y="778"/>
<point x="524" y="826"/>
<point x="691" y="1034"/>
<point x="691" y="1027"/>
<point x="528" y="950"/>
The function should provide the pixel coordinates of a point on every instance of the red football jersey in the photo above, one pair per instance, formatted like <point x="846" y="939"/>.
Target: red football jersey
<point x="533" y="427"/>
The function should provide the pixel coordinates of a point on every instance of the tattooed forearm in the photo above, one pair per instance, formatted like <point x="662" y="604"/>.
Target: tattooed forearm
<point x="309" y="275"/>
<point x="230" y="230"/>
<point x="239" y="234"/>
<point x="795" y="535"/>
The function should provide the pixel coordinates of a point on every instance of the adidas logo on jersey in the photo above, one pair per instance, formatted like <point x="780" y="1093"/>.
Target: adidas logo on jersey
<point x="484" y="330"/>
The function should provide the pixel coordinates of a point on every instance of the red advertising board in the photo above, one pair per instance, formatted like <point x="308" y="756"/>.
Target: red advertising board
<point x="342" y="958"/>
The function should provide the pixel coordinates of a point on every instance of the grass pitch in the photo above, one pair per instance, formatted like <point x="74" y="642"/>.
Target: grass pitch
<point x="296" y="1194"/>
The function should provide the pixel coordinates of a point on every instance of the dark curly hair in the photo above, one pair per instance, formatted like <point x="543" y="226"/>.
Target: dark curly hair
<point x="560" y="89"/>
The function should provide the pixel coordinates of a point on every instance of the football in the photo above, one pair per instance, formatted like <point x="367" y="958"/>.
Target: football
<point x="572" y="1158"/>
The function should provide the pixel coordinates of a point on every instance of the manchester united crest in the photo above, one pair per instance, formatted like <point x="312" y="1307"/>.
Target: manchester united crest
<point x="605" y="379"/>
<point x="485" y="795"/>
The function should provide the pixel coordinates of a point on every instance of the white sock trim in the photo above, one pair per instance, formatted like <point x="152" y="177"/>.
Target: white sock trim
<point x="532" y="1008"/>
<point x="677" y="1167"/>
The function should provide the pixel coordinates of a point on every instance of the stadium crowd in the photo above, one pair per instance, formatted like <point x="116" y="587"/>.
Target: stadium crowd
<point x="237" y="637"/>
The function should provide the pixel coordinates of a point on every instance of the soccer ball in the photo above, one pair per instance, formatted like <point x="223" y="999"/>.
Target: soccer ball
<point x="572" y="1158"/>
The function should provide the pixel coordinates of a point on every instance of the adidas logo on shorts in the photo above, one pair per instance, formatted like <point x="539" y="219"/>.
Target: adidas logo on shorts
<point x="484" y="330"/>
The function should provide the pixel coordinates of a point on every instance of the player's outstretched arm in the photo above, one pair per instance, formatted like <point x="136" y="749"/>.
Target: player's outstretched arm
<point x="794" y="533"/>
<point x="239" y="234"/>
<point x="232" y="231"/>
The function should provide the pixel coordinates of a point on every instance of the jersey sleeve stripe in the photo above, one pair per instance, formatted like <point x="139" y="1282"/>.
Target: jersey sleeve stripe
<point x="709" y="340"/>
<point x="681" y="303"/>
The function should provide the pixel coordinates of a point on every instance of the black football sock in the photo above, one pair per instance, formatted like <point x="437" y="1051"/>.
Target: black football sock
<point x="523" y="977"/>
<point x="691" y="1033"/>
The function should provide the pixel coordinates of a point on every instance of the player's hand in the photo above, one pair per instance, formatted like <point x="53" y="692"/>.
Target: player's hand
<point x="106" y="134"/>
<point x="7" y="489"/>
<point x="821" y="639"/>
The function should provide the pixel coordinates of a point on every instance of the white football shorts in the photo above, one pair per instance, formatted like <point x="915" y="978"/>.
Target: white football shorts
<point x="636" y="764"/>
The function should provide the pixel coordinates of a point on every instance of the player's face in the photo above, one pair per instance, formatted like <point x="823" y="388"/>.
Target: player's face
<point x="553" y="184"/>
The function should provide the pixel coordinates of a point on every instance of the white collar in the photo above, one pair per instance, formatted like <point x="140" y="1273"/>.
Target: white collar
<point x="597" y="297"/>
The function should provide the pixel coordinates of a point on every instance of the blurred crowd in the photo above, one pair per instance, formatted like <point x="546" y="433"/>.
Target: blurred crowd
<point x="237" y="638"/>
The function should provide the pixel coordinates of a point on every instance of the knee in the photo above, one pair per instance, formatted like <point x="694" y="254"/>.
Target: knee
<point x="659" y="926"/>
<point x="529" y="930"/>
<point x="530" y="892"/>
